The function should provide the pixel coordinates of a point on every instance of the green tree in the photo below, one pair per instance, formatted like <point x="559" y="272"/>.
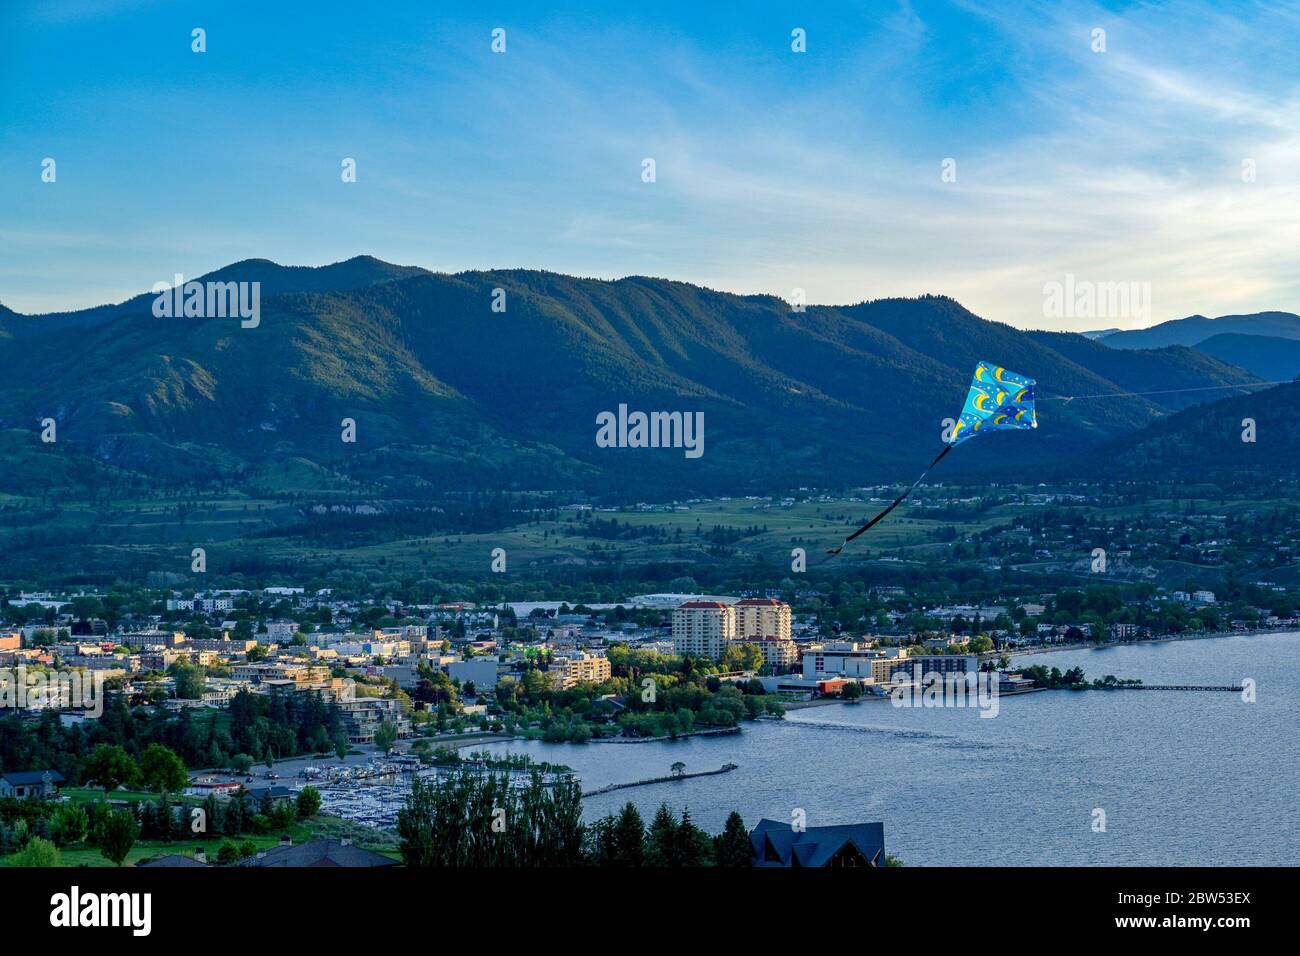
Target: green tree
<point x="385" y="736"/>
<point x="228" y="853"/>
<point x="661" y="843"/>
<point x="69" y="824"/>
<point x="37" y="852"/>
<point x="161" y="769"/>
<point x="732" y="847"/>
<point x="308" y="802"/>
<point x="627" y="838"/>
<point x="110" y="766"/>
<point x="116" y="834"/>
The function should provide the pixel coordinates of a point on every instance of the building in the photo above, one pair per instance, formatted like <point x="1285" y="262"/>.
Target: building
<point x="762" y="618"/>
<point x="851" y="659"/>
<point x="942" y="664"/>
<point x="322" y="852"/>
<point x="363" y="715"/>
<point x="27" y="784"/>
<point x="280" y="632"/>
<point x="778" y="654"/>
<point x="1123" y="632"/>
<point x="703" y="628"/>
<point x="574" y="669"/>
<point x="175" y="860"/>
<point x="479" y="671"/>
<point x="777" y="844"/>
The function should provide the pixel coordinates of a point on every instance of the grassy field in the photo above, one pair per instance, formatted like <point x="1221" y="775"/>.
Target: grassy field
<point x="242" y="533"/>
<point x="320" y="826"/>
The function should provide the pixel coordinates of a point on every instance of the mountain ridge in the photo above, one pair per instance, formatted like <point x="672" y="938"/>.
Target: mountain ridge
<point x="448" y="393"/>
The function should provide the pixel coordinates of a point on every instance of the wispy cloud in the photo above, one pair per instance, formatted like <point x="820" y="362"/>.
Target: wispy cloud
<point x="775" y="170"/>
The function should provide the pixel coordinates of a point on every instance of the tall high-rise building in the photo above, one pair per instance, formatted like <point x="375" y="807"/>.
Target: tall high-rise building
<point x="703" y="628"/>
<point x="762" y="618"/>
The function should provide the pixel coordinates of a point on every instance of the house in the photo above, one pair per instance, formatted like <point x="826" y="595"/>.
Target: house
<point x="322" y="852"/>
<point x="270" y="796"/>
<point x="200" y="858"/>
<point x="777" y="844"/>
<point x="30" y="783"/>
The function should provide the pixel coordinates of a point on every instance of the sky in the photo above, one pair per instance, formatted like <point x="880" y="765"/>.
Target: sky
<point x="1169" y="159"/>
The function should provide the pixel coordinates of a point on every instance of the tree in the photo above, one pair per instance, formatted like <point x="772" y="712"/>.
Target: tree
<point x="627" y="839"/>
<point x="678" y="768"/>
<point x="661" y="845"/>
<point x="116" y="834"/>
<point x="308" y="802"/>
<point x="732" y="847"/>
<point x="742" y="657"/>
<point x="37" y="852"/>
<point x="69" y="825"/>
<point x="191" y="680"/>
<point x="110" y="766"/>
<point x="385" y="736"/>
<point x="227" y="853"/>
<point x="161" y="769"/>
<point x="694" y="846"/>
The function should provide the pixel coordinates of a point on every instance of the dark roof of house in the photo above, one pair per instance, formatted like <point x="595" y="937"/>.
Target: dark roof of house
<point x="322" y="852"/>
<point x="25" y="777"/>
<point x="276" y="792"/>
<point x="815" y="846"/>
<point x="171" y="859"/>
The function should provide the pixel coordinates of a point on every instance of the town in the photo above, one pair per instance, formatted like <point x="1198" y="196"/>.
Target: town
<point x="272" y="708"/>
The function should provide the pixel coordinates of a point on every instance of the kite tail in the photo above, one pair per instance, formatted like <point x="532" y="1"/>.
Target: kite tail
<point x="897" y="501"/>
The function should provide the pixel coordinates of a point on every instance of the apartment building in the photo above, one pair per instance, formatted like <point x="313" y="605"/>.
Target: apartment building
<point x="363" y="715"/>
<point x="703" y="628"/>
<point x="760" y="618"/>
<point x="573" y="669"/>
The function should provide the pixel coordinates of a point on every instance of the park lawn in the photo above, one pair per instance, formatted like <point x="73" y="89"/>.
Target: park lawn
<point x="92" y="794"/>
<point x="301" y="831"/>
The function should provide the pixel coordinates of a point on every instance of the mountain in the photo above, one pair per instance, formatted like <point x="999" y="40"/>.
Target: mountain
<point x="1099" y="333"/>
<point x="354" y="273"/>
<point x="1180" y="376"/>
<point x="448" y="394"/>
<point x="1271" y="358"/>
<point x="1206" y="442"/>
<point x="1197" y="328"/>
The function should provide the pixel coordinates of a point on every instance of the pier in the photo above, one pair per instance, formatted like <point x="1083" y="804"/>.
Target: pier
<point x="1228" y="687"/>
<point x="725" y="768"/>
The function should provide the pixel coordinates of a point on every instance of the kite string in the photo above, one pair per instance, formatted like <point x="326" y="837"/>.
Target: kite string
<point x="1163" y="391"/>
<point x="896" y="502"/>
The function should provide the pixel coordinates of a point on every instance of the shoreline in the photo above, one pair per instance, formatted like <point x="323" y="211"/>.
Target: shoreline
<point x="650" y="740"/>
<point x="1162" y="639"/>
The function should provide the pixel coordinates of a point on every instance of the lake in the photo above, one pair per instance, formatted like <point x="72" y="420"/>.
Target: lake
<point x="1183" y="778"/>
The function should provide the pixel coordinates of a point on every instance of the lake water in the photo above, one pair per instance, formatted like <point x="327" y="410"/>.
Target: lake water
<point x="1184" y="778"/>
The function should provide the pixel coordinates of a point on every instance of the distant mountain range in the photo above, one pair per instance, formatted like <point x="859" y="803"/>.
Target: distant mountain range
<point x="1266" y="344"/>
<point x="1195" y="329"/>
<point x="448" y="394"/>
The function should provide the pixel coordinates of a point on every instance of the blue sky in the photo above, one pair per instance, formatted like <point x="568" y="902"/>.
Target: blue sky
<point x="775" y="170"/>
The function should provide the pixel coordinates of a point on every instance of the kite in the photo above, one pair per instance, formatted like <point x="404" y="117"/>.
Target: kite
<point x="997" y="400"/>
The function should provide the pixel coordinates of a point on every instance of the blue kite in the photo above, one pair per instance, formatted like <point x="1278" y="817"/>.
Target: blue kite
<point x="997" y="400"/>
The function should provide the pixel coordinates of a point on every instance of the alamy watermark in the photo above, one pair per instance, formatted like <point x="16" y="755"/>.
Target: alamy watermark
<point x="923" y="688"/>
<point x="1083" y="299"/>
<point x="21" y="689"/>
<point x="208" y="300"/>
<point x="651" y="430"/>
